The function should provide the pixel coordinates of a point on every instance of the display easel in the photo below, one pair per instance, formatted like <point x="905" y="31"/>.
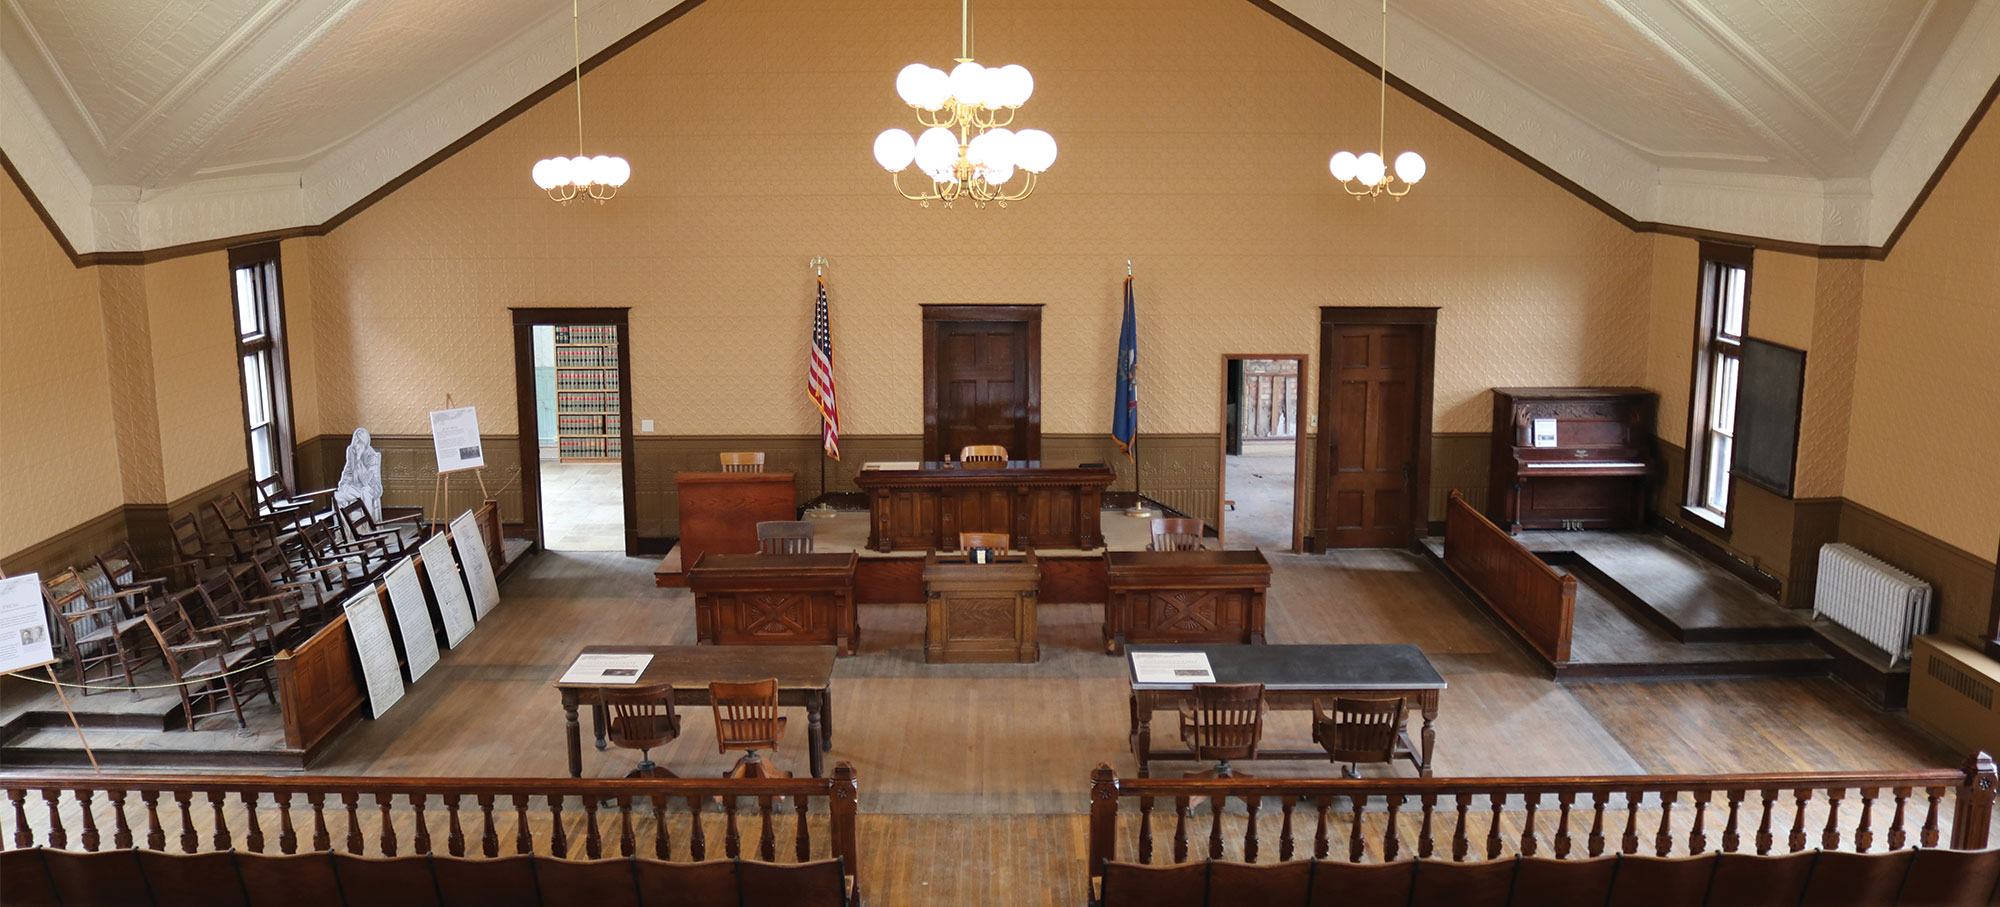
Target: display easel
<point x="49" y="668"/>
<point x="441" y="490"/>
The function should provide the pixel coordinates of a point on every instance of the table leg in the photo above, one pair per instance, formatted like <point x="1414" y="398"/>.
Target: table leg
<point x="815" y="744"/>
<point x="826" y="717"/>
<point x="572" y="737"/>
<point x="1142" y="730"/>
<point x="597" y="724"/>
<point x="1430" y="733"/>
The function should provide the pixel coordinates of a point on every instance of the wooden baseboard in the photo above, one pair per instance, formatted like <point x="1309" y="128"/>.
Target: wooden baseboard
<point x="1722" y="557"/>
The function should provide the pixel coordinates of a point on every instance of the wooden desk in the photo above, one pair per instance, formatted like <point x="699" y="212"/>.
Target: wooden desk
<point x="719" y="513"/>
<point x="1040" y="506"/>
<point x="775" y="599"/>
<point x="1293" y="676"/>
<point x="1204" y="596"/>
<point x="981" y="612"/>
<point x="805" y="678"/>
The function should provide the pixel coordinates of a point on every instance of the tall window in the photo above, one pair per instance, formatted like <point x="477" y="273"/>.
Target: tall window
<point x="260" y="349"/>
<point x="1724" y="300"/>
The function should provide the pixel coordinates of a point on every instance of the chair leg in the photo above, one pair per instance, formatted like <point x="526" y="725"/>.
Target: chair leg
<point x="229" y="689"/>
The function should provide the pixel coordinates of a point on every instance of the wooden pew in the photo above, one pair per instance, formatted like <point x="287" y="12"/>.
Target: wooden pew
<point x="1535" y="599"/>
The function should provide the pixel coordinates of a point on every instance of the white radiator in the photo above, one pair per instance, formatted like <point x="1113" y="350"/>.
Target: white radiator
<point x="1884" y="605"/>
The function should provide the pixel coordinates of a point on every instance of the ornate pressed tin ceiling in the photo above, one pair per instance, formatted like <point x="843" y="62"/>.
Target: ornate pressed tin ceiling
<point x="143" y="124"/>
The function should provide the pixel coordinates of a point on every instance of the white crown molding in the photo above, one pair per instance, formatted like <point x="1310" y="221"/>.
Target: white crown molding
<point x="1968" y="70"/>
<point x="43" y="161"/>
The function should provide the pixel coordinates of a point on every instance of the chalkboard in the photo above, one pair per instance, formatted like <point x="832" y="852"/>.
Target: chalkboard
<point x="1768" y="395"/>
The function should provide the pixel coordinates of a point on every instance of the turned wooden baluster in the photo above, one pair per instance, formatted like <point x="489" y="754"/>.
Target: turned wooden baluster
<point x="23" y="839"/>
<point x="593" y="844"/>
<point x="420" y="842"/>
<point x="454" y="839"/>
<point x="1697" y="839"/>
<point x="627" y="844"/>
<point x="524" y="838"/>
<point x="223" y="838"/>
<point x="1146" y="829"/>
<point x="1564" y="800"/>
<point x="1731" y="840"/>
<point x="732" y="839"/>
<point x="1663" y="840"/>
<point x="352" y="800"/>
<point x="254" y="839"/>
<point x="1496" y="801"/>
<point x="1180" y="829"/>
<point x="1392" y="840"/>
<point x="121" y="835"/>
<point x="1215" y="826"/>
<point x="1629" y="843"/>
<point x="58" y="835"/>
<point x="156" y="835"/>
<point x="1285" y="805"/>
<point x="1928" y="837"/>
<point x="803" y="846"/>
<point x="697" y="843"/>
<point x="1829" y="837"/>
<point x="558" y="837"/>
<point x="1425" y="843"/>
<point x="1896" y="833"/>
<point x="189" y="841"/>
<point x="1528" y="842"/>
<point x="1864" y="833"/>
<point x="767" y="841"/>
<point x="1459" y="842"/>
<point x="322" y="841"/>
<point x="489" y="836"/>
<point x="1320" y="831"/>
<point x="1250" y="808"/>
<point x="382" y="803"/>
<point x="288" y="837"/>
<point x="1797" y="839"/>
<point x="90" y="837"/>
<point x="1356" y="843"/>
<point x="1595" y="842"/>
<point x="1764" y="836"/>
<point x="662" y="841"/>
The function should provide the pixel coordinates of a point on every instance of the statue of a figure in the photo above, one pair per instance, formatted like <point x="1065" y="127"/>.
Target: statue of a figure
<point x="361" y="478"/>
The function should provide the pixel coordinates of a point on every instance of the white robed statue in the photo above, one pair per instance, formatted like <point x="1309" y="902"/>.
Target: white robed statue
<point x="361" y="477"/>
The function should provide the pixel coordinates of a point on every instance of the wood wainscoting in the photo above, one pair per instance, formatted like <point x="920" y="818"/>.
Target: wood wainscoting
<point x="320" y="689"/>
<point x="146" y="525"/>
<point x="409" y="473"/>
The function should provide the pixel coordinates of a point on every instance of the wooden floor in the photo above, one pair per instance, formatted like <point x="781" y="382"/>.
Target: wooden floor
<point x="974" y="777"/>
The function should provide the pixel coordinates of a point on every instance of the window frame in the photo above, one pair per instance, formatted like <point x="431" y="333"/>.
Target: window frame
<point x="272" y="342"/>
<point x="1711" y="341"/>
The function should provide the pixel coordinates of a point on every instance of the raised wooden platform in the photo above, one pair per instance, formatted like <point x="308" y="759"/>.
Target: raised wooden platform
<point x="147" y="732"/>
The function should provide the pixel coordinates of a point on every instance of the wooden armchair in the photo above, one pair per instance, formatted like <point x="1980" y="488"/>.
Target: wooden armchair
<point x="218" y="608"/>
<point x="124" y="572"/>
<point x="746" y="718"/>
<point x="1359" y="730"/>
<point x="204" y="560"/>
<point x="401" y="534"/>
<point x="248" y="534"/>
<point x="201" y="667"/>
<point x="287" y="508"/>
<point x="785" y="537"/>
<point x="97" y="633"/>
<point x="296" y="591"/>
<point x="358" y="562"/>
<point x="983" y="455"/>
<point x="1176" y="534"/>
<point x="998" y="541"/>
<point x="1225" y="721"/>
<point x="742" y="461"/>
<point x="641" y="718"/>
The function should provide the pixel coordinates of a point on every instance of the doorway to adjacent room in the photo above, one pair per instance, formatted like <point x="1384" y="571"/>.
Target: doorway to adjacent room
<point x="575" y="391"/>
<point x="1263" y="451"/>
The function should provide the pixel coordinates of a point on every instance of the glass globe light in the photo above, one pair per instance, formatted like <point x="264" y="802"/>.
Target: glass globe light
<point x="992" y="148"/>
<point x="895" y="149"/>
<point x="1410" y="167"/>
<point x="546" y="174"/>
<point x="910" y="84"/>
<point x="617" y="171"/>
<point x="937" y="153"/>
<point x="1020" y="85"/>
<point x="968" y="83"/>
<point x="1034" y="150"/>
<point x="600" y="169"/>
<point x="933" y="89"/>
<point x="1343" y="165"/>
<point x="1369" y="168"/>
<point x="995" y="175"/>
<point x="578" y="171"/>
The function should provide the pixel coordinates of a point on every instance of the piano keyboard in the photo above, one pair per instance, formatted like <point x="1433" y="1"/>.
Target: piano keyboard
<point x="1589" y="464"/>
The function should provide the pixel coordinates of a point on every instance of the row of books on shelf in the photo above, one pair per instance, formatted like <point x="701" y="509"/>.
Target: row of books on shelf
<point x="587" y="425"/>
<point x="586" y="357"/>
<point x="588" y="402"/>
<point x="586" y="333"/>
<point x="585" y="380"/>
<point x="587" y="448"/>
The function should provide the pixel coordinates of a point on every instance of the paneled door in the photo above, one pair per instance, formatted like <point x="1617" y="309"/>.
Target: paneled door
<point x="1374" y="444"/>
<point x="981" y="378"/>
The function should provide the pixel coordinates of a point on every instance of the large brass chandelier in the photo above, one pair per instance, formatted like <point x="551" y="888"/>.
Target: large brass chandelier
<point x="967" y="148"/>
<point x="1365" y="175"/>
<point x="565" y="178"/>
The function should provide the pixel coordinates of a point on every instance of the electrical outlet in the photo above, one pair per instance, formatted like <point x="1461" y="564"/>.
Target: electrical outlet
<point x="646" y="426"/>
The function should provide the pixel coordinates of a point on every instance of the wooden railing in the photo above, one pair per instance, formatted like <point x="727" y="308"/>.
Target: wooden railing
<point x="1535" y="599"/>
<point x="660" y="819"/>
<point x="1473" y="819"/>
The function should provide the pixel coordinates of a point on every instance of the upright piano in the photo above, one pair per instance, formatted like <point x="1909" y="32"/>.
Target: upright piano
<point x="1571" y="457"/>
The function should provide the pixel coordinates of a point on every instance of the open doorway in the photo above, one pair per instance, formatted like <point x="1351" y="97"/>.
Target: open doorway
<point x="574" y="377"/>
<point x="1262" y="451"/>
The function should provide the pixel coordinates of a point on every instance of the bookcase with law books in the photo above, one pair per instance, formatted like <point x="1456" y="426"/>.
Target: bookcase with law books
<point x="589" y="413"/>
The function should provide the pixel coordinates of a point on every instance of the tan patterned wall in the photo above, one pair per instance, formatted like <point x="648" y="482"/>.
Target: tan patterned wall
<point x="128" y="344"/>
<point x="200" y="396"/>
<point x="1194" y="141"/>
<point x="1926" y="423"/>
<point x="58" y="455"/>
<point x="1674" y="281"/>
<point x="1829" y="391"/>
<point x="296" y="265"/>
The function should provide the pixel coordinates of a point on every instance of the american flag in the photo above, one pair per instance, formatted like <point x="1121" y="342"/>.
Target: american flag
<point x="819" y="377"/>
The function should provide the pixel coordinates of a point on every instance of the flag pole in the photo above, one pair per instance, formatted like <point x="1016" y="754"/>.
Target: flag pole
<point x="819" y="264"/>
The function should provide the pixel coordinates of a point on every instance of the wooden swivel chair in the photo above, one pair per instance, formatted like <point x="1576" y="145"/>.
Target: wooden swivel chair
<point x="983" y="455"/>
<point x="1176" y="534"/>
<point x="746" y="718"/>
<point x="785" y="537"/>
<point x="641" y="718"/>
<point x="998" y="541"/>
<point x="1359" y="730"/>
<point x="1226" y="721"/>
<point x="742" y="461"/>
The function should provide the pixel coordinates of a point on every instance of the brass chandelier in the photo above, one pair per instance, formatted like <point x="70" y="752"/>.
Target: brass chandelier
<point x="967" y="148"/>
<point x="1365" y="175"/>
<point x="565" y="178"/>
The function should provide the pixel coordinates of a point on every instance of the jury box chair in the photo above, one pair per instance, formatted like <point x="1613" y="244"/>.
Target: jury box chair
<point x="998" y="541"/>
<point x="742" y="461"/>
<point x="1359" y="730"/>
<point x="983" y="455"/>
<point x="1176" y="534"/>
<point x="746" y="718"/>
<point x="1225" y="721"/>
<point x="641" y="718"/>
<point x="785" y="537"/>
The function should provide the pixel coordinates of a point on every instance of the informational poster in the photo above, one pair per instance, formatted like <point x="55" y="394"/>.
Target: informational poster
<point x="24" y="624"/>
<point x="1171" y="668"/>
<point x="453" y="607"/>
<point x="472" y="558"/>
<point x="609" y="667"/>
<point x="413" y="617"/>
<point x="368" y="625"/>
<point x="455" y="433"/>
<point x="1545" y="432"/>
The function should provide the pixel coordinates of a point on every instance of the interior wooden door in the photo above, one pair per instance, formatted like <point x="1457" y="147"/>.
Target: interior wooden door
<point x="1373" y="377"/>
<point x="982" y="385"/>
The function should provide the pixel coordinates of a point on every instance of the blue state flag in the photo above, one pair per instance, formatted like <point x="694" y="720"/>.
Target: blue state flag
<point x="1125" y="414"/>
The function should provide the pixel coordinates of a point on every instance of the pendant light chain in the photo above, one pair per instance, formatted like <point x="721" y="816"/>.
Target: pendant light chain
<point x="596" y="178"/>
<point x="576" y="53"/>
<point x="1369" y="174"/>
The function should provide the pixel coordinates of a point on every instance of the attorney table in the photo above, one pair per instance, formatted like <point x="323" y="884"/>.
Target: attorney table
<point x="1293" y="676"/>
<point x="1040" y="506"/>
<point x="804" y="673"/>
<point x="1203" y="596"/>
<point x="775" y="599"/>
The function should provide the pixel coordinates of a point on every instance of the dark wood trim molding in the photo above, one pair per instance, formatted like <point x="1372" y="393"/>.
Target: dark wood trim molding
<point x="1715" y="553"/>
<point x="1031" y="315"/>
<point x="1993" y="615"/>
<point x="525" y="320"/>
<point x="1425" y="318"/>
